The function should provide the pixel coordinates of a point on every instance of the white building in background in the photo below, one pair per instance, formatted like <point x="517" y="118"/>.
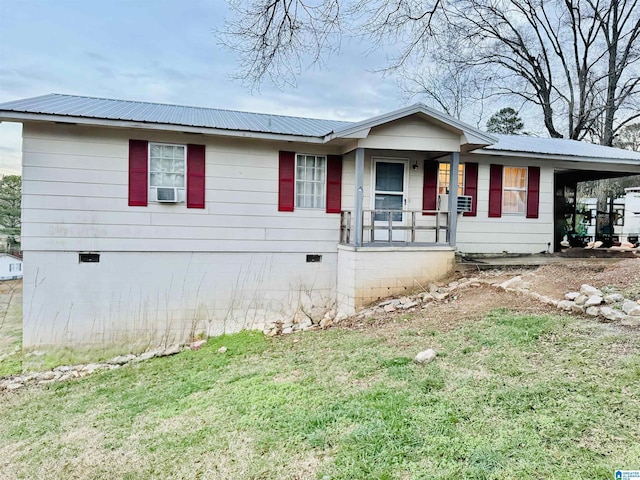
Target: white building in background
<point x="145" y="223"/>
<point x="631" y="227"/>
<point x="10" y="267"/>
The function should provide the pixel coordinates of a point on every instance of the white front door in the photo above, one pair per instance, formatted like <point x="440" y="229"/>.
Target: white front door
<point x="389" y="186"/>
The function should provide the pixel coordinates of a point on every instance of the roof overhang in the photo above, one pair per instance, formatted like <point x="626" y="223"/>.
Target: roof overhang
<point x="11" y="116"/>
<point x="556" y="157"/>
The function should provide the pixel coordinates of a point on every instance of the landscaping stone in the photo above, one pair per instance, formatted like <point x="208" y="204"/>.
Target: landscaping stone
<point x="390" y="307"/>
<point x="222" y="349"/>
<point x="288" y="330"/>
<point x="593" y="300"/>
<point x="408" y="305"/>
<point x="425" y="356"/>
<point x="326" y="323"/>
<point x="121" y="360"/>
<point x="630" y="322"/>
<point x="588" y="290"/>
<point x="631" y="308"/>
<point x="611" y="314"/>
<point x="581" y="299"/>
<point x="593" y="311"/>
<point x="571" y="295"/>
<point x="440" y="296"/>
<point x="613" y="298"/>
<point x="575" y="308"/>
<point x="565" y="304"/>
<point x="198" y="344"/>
<point x="514" y="283"/>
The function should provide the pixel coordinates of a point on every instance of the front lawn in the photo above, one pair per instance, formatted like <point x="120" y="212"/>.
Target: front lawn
<point x="508" y="397"/>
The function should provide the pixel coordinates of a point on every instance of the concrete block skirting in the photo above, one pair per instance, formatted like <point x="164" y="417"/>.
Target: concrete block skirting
<point x="366" y="274"/>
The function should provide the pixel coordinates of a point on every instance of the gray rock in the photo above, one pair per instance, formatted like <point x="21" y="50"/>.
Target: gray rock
<point x="588" y="290"/>
<point x="426" y="297"/>
<point x="565" y="304"/>
<point x="305" y="323"/>
<point x="385" y="303"/>
<point x="571" y="295"/>
<point x="631" y="308"/>
<point x="197" y="344"/>
<point x="581" y="299"/>
<point x="119" y="360"/>
<point x="575" y="308"/>
<point x="613" y="298"/>
<point x="47" y="376"/>
<point x="425" y="356"/>
<point x="288" y="330"/>
<point x="440" y="296"/>
<point x="611" y="314"/>
<point x="514" y="283"/>
<point x="454" y="284"/>
<point x="222" y="349"/>
<point x="13" y="385"/>
<point x="630" y="322"/>
<point x="62" y="368"/>
<point x="147" y="355"/>
<point x="433" y="288"/>
<point x="390" y="308"/>
<point x="593" y="301"/>
<point x="406" y="306"/>
<point x="326" y="323"/>
<point x="593" y="311"/>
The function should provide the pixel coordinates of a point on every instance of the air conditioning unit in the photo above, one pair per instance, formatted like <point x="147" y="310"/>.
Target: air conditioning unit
<point x="167" y="194"/>
<point x="464" y="203"/>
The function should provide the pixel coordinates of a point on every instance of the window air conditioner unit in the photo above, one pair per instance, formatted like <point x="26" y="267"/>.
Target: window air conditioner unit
<point x="167" y="194"/>
<point x="464" y="203"/>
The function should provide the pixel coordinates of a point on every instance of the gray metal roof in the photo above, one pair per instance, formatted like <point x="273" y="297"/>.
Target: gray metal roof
<point x="146" y="112"/>
<point x="558" y="147"/>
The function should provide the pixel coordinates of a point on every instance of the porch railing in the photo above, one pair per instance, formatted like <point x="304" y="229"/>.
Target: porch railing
<point x="378" y="226"/>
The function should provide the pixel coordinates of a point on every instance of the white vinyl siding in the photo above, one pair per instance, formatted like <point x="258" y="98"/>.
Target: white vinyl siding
<point x="311" y="176"/>
<point x="514" y="190"/>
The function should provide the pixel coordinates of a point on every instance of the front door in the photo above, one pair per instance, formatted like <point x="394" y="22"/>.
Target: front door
<point x="389" y="194"/>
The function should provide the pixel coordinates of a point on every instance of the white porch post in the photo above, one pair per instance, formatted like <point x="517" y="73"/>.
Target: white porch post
<point x="359" y="196"/>
<point x="453" y="198"/>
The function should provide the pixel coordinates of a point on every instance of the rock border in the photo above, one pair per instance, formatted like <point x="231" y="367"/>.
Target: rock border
<point x="70" y="372"/>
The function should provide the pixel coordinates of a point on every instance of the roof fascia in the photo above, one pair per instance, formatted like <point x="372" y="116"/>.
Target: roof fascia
<point x="550" y="156"/>
<point x="473" y="135"/>
<point x="39" y="117"/>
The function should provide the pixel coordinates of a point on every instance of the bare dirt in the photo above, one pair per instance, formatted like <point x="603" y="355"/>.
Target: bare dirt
<point x="469" y="303"/>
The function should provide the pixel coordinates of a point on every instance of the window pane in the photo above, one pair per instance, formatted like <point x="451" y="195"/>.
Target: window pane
<point x="515" y="177"/>
<point x="444" y="170"/>
<point x="310" y="181"/>
<point x="388" y="202"/>
<point x="389" y="177"/>
<point x="514" y="201"/>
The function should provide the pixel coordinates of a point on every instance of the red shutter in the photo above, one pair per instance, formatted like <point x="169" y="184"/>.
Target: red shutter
<point x="138" y="172"/>
<point x="533" y="192"/>
<point x="334" y="184"/>
<point x="495" y="191"/>
<point x="471" y="187"/>
<point x="286" y="181"/>
<point x="430" y="186"/>
<point x="195" y="176"/>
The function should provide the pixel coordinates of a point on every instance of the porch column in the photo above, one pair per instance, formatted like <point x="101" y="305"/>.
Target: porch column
<point x="359" y="196"/>
<point x="453" y="198"/>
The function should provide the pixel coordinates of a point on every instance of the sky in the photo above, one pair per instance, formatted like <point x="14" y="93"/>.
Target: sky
<point x="163" y="51"/>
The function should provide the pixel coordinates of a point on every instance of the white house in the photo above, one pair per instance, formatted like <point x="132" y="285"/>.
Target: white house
<point x="145" y="222"/>
<point x="10" y="267"/>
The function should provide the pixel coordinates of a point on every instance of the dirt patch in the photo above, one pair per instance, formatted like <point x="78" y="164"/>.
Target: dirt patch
<point x="471" y="303"/>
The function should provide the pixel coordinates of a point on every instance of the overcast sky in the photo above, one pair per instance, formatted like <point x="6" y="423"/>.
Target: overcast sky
<point x="162" y="51"/>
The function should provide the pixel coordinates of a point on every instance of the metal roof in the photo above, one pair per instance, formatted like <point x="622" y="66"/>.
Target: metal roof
<point x="146" y="112"/>
<point x="557" y="147"/>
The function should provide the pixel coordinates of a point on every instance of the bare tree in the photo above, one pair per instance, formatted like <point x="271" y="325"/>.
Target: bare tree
<point x="577" y="61"/>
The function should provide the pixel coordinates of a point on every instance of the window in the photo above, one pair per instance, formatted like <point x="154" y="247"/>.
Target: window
<point x="167" y="165"/>
<point x="310" y="181"/>
<point x="15" y="267"/>
<point x="514" y="198"/>
<point x="444" y="171"/>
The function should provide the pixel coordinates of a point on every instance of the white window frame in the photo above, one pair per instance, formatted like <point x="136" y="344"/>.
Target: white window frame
<point x="322" y="183"/>
<point x="152" y="188"/>
<point x="443" y="186"/>
<point x="15" y="267"/>
<point x="514" y="189"/>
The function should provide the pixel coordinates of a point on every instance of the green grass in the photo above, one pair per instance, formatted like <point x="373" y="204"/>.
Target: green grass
<point x="508" y="397"/>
